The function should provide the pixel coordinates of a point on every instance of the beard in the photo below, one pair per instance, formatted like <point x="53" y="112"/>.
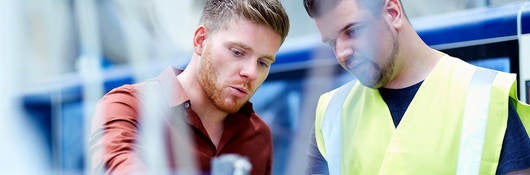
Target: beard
<point x="372" y="74"/>
<point x="368" y="71"/>
<point x="368" y="74"/>
<point x="214" y="91"/>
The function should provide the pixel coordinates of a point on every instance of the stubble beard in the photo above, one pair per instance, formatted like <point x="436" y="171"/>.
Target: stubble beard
<point x="385" y="73"/>
<point x="213" y="91"/>
<point x="379" y="75"/>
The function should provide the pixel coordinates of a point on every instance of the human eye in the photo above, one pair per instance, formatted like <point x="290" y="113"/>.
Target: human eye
<point x="263" y="63"/>
<point x="353" y="31"/>
<point x="237" y="52"/>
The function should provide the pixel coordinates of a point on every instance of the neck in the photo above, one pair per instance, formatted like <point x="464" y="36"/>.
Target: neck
<point x="414" y="60"/>
<point x="211" y="117"/>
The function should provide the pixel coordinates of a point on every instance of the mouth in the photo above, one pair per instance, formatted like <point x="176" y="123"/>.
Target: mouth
<point x="239" y="91"/>
<point x="351" y="63"/>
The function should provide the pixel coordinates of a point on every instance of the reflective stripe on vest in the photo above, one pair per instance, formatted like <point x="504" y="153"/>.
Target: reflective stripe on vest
<point x="474" y="122"/>
<point x="472" y="136"/>
<point x="332" y="131"/>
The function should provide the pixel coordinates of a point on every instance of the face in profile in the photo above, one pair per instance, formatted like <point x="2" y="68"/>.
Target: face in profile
<point x="235" y="61"/>
<point x="362" y="41"/>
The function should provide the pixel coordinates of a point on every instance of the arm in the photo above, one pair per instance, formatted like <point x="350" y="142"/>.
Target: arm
<point x="317" y="163"/>
<point x="114" y="128"/>
<point x="515" y="153"/>
<point x="522" y="172"/>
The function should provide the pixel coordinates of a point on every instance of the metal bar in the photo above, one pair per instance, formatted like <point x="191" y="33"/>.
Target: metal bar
<point x="20" y="143"/>
<point x="89" y="69"/>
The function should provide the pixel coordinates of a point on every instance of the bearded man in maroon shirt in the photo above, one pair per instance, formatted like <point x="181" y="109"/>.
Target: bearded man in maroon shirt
<point x="233" y="48"/>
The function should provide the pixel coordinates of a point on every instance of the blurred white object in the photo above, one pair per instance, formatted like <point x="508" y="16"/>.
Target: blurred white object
<point x="21" y="149"/>
<point x="230" y="164"/>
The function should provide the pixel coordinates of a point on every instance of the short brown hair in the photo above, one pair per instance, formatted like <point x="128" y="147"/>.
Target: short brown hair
<point x="316" y="8"/>
<point x="218" y="13"/>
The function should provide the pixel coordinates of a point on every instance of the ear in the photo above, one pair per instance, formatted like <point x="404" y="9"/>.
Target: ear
<point x="199" y="39"/>
<point x="394" y="14"/>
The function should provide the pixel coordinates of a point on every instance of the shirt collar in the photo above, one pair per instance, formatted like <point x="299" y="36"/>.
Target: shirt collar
<point x="169" y="82"/>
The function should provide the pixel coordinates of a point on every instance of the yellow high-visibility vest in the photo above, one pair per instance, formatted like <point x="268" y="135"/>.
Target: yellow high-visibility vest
<point x="454" y="125"/>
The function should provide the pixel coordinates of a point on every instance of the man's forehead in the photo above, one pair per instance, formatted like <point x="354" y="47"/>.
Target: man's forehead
<point x="333" y="23"/>
<point x="330" y="29"/>
<point x="344" y="14"/>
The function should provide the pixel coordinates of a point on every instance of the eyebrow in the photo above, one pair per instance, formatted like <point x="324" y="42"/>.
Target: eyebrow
<point x="270" y="57"/>
<point x="244" y="46"/>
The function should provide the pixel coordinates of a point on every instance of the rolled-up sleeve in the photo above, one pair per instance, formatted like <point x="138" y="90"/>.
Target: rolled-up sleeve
<point x="113" y="138"/>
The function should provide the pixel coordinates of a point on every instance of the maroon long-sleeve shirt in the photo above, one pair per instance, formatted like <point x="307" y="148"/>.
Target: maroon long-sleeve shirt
<point x="114" y="133"/>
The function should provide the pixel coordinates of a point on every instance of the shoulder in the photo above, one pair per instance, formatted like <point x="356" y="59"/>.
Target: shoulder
<point x="326" y="97"/>
<point x="120" y="103"/>
<point x="123" y="92"/>
<point x="504" y="84"/>
<point x="515" y="153"/>
<point x="342" y="90"/>
<point x="259" y="125"/>
<point x="126" y="95"/>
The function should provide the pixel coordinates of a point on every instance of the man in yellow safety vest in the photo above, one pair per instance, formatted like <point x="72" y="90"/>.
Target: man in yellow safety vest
<point x="412" y="109"/>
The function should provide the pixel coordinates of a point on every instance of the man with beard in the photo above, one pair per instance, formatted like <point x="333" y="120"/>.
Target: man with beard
<point x="413" y="110"/>
<point x="234" y="47"/>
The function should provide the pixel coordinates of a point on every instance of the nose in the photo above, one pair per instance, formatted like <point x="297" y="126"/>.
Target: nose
<point x="249" y="70"/>
<point x="343" y="48"/>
